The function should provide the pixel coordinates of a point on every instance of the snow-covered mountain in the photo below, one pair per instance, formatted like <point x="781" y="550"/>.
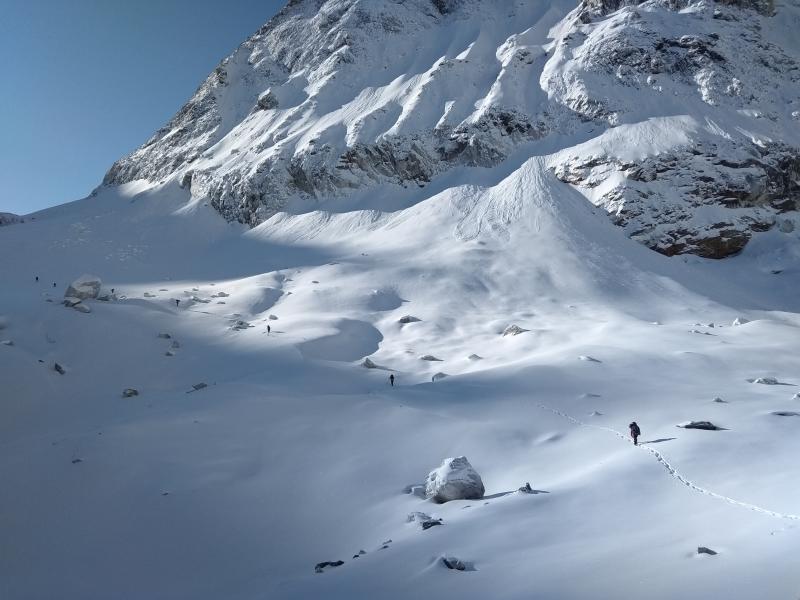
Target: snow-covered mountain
<point x="197" y="408"/>
<point x="339" y="104"/>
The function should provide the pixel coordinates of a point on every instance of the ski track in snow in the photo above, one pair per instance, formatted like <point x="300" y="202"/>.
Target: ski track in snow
<point x="674" y="472"/>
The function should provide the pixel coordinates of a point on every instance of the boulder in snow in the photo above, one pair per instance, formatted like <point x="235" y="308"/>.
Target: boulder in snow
<point x="81" y="307"/>
<point x="704" y="550"/>
<point x="273" y="318"/>
<point x="320" y="567"/>
<point x="240" y="324"/>
<point x="425" y="521"/>
<point x="786" y="413"/>
<point x="368" y="364"/>
<point x="456" y="564"/>
<point x="59" y="369"/>
<point x="408" y="319"/>
<point x="6" y="342"/>
<point x="764" y="380"/>
<point x="455" y="479"/>
<point x="514" y="330"/>
<point x="706" y="425"/>
<point x="85" y="286"/>
<point x="430" y="357"/>
<point x="130" y="392"/>
<point x="438" y="376"/>
<point x="740" y="321"/>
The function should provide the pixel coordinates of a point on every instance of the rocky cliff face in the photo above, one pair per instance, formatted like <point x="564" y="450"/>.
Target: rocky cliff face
<point x="332" y="99"/>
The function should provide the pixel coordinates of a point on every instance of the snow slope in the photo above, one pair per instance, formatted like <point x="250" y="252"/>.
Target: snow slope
<point x="525" y="329"/>
<point x="295" y="454"/>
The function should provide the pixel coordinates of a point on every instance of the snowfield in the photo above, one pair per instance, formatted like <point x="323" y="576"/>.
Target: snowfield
<point x="210" y="414"/>
<point x="294" y="454"/>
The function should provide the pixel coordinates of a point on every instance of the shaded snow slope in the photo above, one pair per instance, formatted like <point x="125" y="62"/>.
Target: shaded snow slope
<point x="293" y="454"/>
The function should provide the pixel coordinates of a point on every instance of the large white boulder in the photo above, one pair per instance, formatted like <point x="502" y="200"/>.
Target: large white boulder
<point x="454" y="480"/>
<point x="85" y="286"/>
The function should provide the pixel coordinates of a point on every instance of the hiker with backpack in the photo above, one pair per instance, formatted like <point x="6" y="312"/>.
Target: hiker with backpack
<point x="635" y="433"/>
<point x="391" y="379"/>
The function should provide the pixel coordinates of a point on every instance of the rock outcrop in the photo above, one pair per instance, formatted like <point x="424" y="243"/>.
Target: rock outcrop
<point x="327" y="99"/>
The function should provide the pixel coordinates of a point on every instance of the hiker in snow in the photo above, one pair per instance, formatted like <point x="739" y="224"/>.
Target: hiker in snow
<point x="112" y="290"/>
<point x="635" y="433"/>
<point x="54" y="284"/>
<point x="177" y="302"/>
<point x="268" y="329"/>
<point x="37" y="278"/>
<point x="391" y="379"/>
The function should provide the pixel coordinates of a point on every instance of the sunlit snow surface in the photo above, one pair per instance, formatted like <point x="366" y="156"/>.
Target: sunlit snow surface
<point x="295" y="454"/>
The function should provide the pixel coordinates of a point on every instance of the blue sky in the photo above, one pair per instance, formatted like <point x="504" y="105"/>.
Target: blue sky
<point x="87" y="81"/>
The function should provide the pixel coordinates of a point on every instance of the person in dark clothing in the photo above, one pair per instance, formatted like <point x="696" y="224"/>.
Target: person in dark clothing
<point x="54" y="284"/>
<point x="635" y="433"/>
<point x="268" y="329"/>
<point x="177" y="302"/>
<point x="37" y="278"/>
<point x="391" y="379"/>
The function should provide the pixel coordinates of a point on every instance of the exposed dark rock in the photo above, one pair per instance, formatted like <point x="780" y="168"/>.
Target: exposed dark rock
<point x="320" y="567"/>
<point x="706" y="425"/>
<point x="704" y="550"/>
<point x="59" y="369"/>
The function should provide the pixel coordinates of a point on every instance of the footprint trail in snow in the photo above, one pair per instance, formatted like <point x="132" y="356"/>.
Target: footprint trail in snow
<point x="673" y="471"/>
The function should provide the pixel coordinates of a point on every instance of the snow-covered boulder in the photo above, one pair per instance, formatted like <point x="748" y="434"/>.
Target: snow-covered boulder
<point x="740" y="321"/>
<point x="764" y="380"/>
<point x="455" y="479"/>
<point x="514" y="330"/>
<point x="85" y="286"/>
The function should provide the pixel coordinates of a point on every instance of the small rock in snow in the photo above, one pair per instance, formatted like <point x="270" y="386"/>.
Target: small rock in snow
<point x="164" y="336"/>
<point x="740" y="321"/>
<point x="368" y="364"/>
<point x="149" y="295"/>
<point x="175" y="344"/>
<point x="220" y="295"/>
<point x="408" y="319"/>
<point x="720" y="400"/>
<point x="239" y="325"/>
<point x="526" y="489"/>
<point x="70" y="301"/>
<point x="169" y="353"/>
<point x="514" y="330"/>
<point x="59" y="369"/>
<point x="764" y="380"/>
<point x="7" y="342"/>
<point x="199" y="386"/>
<point x="430" y="357"/>
<point x="439" y="375"/>
<point x="588" y="359"/>
<point x="130" y="392"/>
<point x="704" y="550"/>
<point x="81" y="307"/>
<point x="425" y="521"/>
<point x="706" y="425"/>
<point x="786" y="413"/>
<point x="75" y="461"/>
<point x="273" y="318"/>
<point x="474" y="357"/>
<point x="451" y="562"/>
<point x="320" y="567"/>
